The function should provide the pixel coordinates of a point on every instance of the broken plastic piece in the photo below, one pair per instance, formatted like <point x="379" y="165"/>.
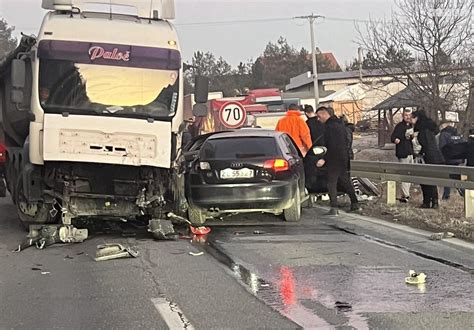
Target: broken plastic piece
<point x="200" y="230"/>
<point x="196" y="254"/>
<point x="440" y="236"/>
<point x="114" y="251"/>
<point x="194" y="230"/>
<point x="415" y="278"/>
<point x="162" y="229"/>
<point x="70" y="234"/>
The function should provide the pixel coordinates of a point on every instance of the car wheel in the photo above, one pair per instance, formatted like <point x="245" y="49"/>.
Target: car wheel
<point x="293" y="214"/>
<point x="30" y="213"/>
<point x="196" y="216"/>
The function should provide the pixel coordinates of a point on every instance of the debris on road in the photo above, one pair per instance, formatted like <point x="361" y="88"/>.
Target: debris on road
<point x="162" y="230"/>
<point x="43" y="236"/>
<point x="258" y="232"/>
<point x="200" y="231"/>
<point x="238" y="233"/>
<point x="194" y="230"/>
<point x="45" y="273"/>
<point x="443" y="235"/>
<point x="194" y="254"/>
<point x="415" y="278"/>
<point x="343" y="306"/>
<point x="115" y="251"/>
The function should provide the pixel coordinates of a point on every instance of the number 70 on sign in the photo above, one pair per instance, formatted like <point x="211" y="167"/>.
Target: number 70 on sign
<point x="232" y="115"/>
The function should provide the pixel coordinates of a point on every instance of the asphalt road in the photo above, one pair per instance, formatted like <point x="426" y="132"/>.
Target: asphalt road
<point x="256" y="272"/>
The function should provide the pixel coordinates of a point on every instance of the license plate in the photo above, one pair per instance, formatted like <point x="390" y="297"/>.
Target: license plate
<point x="244" y="173"/>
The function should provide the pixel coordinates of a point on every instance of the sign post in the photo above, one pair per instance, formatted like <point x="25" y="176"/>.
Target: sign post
<point x="232" y="115"/>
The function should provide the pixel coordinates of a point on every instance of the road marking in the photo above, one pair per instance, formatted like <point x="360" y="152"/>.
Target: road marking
<point x="171" y="314"/>
<point x="425" y="234"/>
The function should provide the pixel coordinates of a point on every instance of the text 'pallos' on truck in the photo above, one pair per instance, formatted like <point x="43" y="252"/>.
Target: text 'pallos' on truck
<point x="93" y="113"/>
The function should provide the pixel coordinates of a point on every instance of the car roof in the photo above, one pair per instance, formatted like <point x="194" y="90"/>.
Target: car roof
<point x="246" y="132"/>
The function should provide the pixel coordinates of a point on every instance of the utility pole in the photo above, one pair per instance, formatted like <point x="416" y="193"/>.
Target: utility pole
<point x="312" y="18"/>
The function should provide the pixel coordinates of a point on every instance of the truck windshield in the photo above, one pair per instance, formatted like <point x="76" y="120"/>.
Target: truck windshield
<point x="111" y="80"/>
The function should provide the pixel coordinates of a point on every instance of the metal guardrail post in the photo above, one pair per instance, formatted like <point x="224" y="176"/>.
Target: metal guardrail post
<point x="469" y="203"/>
<point x="391" y="193"/>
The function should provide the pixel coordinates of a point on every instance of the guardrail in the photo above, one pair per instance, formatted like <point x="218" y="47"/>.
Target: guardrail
<point x="436" y="175"/>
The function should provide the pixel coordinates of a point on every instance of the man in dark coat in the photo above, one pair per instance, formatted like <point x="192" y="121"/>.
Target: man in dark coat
<point x="402" y="136"/>
<point x="336" y="159"/>
<point x="448" y="138"/>
<point x="427" y="130"/>
<point x="316" y="128"/>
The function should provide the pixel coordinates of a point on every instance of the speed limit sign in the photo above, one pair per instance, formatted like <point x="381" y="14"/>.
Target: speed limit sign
<point x="232" y="115"/>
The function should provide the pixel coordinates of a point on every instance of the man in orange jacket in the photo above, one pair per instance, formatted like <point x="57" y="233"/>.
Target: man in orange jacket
<point x="296" y="127"/>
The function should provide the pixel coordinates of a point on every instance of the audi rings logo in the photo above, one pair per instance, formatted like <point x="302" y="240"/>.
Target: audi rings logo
<point x="236" y="165"/>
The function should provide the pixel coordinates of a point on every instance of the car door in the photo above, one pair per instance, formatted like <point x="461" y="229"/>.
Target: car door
<point x="316" y="178"/>
<point x="295" y="159"/>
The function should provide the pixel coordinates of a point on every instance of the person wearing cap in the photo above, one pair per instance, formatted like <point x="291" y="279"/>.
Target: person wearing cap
<point x="296" y="128"/>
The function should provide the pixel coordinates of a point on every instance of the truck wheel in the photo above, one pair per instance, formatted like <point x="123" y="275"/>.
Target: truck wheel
<point x="196" y="216"/>
<point x="30" y="213"/>
<point x="293" y="214"/>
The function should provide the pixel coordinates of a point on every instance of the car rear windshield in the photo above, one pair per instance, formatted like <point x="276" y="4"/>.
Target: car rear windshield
<point x="240" y="148"/>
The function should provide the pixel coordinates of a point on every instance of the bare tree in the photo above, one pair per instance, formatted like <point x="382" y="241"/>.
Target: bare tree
<point x="7" y="41"/>
<point x="439" y="36"/>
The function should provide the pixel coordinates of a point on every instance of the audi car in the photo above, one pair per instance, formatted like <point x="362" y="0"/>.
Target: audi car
<point x="247" y="170"/>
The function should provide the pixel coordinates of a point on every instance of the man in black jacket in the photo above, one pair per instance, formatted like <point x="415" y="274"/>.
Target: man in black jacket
<point x="402" y="137"/>
<point x="427" y="131"/>
<point x="336" y="159"/>
<point x="316" y="128"/>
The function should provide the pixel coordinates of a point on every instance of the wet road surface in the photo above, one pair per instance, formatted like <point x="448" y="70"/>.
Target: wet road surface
<point x="348" y="272"/>
<point x="256" y="272"/>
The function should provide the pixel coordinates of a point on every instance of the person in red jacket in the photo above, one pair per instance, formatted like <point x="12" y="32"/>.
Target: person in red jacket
<point x="296" y="127"/>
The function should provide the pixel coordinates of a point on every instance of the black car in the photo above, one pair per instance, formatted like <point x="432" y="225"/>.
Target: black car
<point x="248" y="170"/>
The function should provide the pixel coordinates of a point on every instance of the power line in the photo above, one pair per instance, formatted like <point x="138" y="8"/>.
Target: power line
<point x="255" y="21"/>
<point x="260" y="20"/>
<point x="265" y="20"/>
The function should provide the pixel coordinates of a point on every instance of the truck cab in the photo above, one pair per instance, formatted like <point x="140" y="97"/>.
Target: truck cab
<point x="93" y="113"/>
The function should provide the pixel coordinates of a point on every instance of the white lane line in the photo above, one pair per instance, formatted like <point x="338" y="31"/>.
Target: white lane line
<point x="171" y="314"/>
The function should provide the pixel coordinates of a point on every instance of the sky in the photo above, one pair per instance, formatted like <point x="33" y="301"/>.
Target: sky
<point x="239" y="42"/>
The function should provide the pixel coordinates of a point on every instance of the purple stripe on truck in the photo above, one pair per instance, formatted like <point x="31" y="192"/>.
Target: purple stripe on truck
<point x="110" y="54"/>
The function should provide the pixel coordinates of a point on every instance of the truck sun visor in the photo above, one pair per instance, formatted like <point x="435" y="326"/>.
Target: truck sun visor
<point x="110" y="54"/>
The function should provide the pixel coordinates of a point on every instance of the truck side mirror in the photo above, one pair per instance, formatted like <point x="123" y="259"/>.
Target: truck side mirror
<point x="200" y="110"/>
<point x="201" y="89"/>
<point x="18" y="74"/>
<point x="201" y="96"/>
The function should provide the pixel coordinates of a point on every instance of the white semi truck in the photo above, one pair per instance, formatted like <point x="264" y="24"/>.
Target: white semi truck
<point x="93" y="113"/>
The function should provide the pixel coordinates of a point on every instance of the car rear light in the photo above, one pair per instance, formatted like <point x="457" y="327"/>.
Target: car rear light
<point x="205" y="166"/>
<point x="277" y="165"/>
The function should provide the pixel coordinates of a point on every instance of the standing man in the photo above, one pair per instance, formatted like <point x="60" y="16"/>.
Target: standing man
<point x="316" y="128"/>
<point x="336" y="159"/>
<point x="427" y="131"/>
<point x="402" y="137"/>
<point x="449" y="137"/>
<point x="294" y="126"/>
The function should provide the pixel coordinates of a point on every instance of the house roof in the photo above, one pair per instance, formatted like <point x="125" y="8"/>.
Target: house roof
<point x="407" y="98"/>
<point x="306" y="78"/>
<point x="331" y="59"/>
